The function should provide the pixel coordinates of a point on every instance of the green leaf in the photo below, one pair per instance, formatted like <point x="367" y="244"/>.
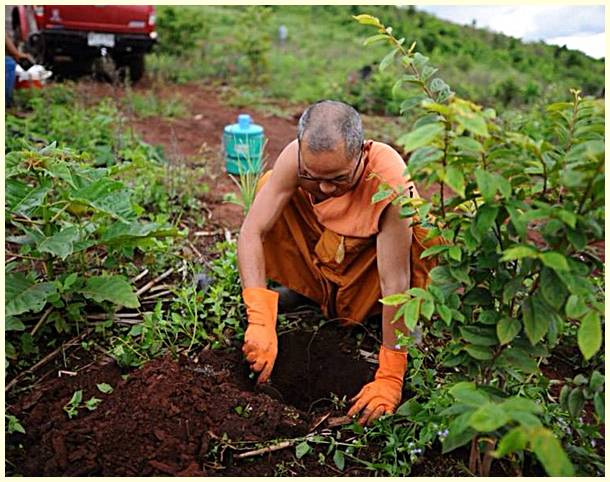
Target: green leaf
<point x="104" y="388"/>
<point x="488" y="418"/>
<point x="120" y="232"/>
<point x="445" y="313"/>
<point x="519" y="252"/>
<point x="486" y="183"/>
<point x="427" y="309"/>
<point x="14" y="425"/>
<point x="381" y="195"/>
<point x="552" y="288"/>
<point x="302" y="449"/>
<point x="597" y="381"/>
<point x="590" y="335"/>
<point x="479" y="352"/>
<point x="420" y="137"/>
<point x="23" y="295"/>
<point x="395" y="299"/>
<point x="576" y="402"/>
<point x="534" y="321"/>
<point x="411" y="315"/>
<point x="515" y="440"/>
<point x="550" y="453"/>
<point x="600" y="409"/>
<point x="455" y="180"/>
<point x="463" y="143"/>
<point x="339" y="459"/>
<point x="516" y="358"/>
<point x="92" y="403"/>
<point x="433" y="250"/>
<point x="575" y="308"/>
<point x="387" y="60"/>
<point x="485" y="219"/>
<point x="479" y="335"/>
<point x="77" y="398"/>
<point x="578" y="238"/>
<point x="455" y="253"/>
<point x="115" y="289"/>
<point x="507" y="329"/>
<point x="375" y="38"/>
<point x="459" y="432"/>
<point x="521" y="404"/>
<point x="467" y="393"/>
<point x="23" y="199"/>
<point x="555" y="260"/>
<point x="61" y="244"/>
<point x="421" y="293"/>
<point x="424" y="156"/>
<point x="367" y="20"/>
<point x="473" y="122"/>
<point x="13" y="324"/>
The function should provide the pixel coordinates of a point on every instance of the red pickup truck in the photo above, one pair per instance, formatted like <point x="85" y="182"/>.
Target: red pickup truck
<point x="81" y="33"/>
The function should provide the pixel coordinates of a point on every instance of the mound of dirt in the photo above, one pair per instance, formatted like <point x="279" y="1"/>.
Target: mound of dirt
<point x="178" y="417"/>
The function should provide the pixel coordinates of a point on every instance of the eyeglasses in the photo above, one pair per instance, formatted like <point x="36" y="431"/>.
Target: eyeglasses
<point x="344" y="179"/>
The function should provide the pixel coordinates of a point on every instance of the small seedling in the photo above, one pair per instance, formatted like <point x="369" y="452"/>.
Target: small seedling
<point x="104" y="388"/>
<point x="13" y="425"/>
<point x="92" y="403"/>
<point x="71" y="408"/>
<point x="243" y="411"/>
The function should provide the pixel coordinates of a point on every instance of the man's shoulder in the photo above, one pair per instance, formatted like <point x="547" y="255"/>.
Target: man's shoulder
<point x="386" y="161"/>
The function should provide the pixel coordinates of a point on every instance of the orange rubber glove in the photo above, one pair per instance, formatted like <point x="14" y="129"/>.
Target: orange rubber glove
<point x="260" y="341"/>
<point x="382" y="395"/>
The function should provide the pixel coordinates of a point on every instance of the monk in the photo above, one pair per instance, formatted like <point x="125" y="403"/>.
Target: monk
<point x="313" y="228"/>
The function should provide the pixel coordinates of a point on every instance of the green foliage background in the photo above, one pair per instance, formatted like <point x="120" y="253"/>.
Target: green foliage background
<point x="323" y="55"/>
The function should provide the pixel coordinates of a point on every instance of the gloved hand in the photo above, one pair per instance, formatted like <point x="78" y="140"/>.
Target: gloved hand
<point x="260" y="341"/>
<point x="383" y="394"/>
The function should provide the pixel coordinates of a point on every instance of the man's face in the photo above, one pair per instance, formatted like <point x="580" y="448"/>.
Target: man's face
<point x="331" y="173"/>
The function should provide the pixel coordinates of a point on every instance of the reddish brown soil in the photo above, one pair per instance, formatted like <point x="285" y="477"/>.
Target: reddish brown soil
<point x="196" y="138"/>
<point x="168" y="417"/>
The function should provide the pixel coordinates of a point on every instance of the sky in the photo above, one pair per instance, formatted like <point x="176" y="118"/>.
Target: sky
<point x="577" y="27"/>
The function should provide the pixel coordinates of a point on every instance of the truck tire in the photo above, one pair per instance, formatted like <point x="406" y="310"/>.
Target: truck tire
<point x="135" y="64"/>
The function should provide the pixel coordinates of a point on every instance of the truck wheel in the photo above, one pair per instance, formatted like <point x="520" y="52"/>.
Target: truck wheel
<point x="136" y="67"/>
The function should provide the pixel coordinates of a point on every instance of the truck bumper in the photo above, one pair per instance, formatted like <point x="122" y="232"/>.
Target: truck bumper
<point x="73" y="43"/>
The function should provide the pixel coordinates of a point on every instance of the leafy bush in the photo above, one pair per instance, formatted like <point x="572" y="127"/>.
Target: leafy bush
<point x="212" y="317"/>
<point x="181" y="29"/>
<point x="519" y="213"/>
<point x="69" y="222"/>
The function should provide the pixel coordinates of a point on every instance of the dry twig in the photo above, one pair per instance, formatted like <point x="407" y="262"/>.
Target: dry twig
<point x="264" y="450"/>
<point x="153" y="282"/>
<point x="47" y="358"/>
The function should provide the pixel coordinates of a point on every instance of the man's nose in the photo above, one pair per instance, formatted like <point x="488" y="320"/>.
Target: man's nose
<point x="327" y="187"/>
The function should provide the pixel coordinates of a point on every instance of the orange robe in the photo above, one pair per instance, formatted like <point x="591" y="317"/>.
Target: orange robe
<point x="327" y="250"/>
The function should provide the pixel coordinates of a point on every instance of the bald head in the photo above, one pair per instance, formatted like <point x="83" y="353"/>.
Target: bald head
<point x="331" y="126"/>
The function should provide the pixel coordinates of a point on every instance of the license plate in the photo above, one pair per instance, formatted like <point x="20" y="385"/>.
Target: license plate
<point x="95" y="39"/>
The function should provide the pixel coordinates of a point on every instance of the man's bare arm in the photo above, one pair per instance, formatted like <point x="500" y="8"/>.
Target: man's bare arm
<point x="264" y="212"/>
<point x="394" y="265"/>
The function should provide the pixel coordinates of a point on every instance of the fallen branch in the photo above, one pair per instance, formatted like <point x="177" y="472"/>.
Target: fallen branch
<point x="47" y="358"/>
<point x="161" y="287"/>
<point x="265" y="450"/>
<point x="197" y="252"/>
<point x="207" y="233"/>
<point x="158" y="295"/>
<point x="153" y="282"/>
<point x="318" y="422"/>
<point x="137" y="278"/>
<point x="42" y="320"/>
